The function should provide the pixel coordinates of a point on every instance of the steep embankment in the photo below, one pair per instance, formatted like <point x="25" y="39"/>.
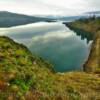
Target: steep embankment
<point x="91" y="29"/>
<point x="26" y="77"/>
<point x="93" y="62"/>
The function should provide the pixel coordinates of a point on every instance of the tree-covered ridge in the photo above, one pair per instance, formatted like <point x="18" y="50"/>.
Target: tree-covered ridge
<point x="91" y="25"/>
<point x="8" y="19"/>
<point x="24" y="76"/>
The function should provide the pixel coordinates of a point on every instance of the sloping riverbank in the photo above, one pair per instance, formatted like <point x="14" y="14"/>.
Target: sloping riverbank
<point x="91" y="26"/>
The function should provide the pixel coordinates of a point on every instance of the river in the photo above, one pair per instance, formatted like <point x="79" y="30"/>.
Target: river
<point x="52" y="41"/>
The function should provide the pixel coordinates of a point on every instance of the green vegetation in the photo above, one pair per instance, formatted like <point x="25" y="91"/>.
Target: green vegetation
<point x="90" y="25"/>
<point x="24" y="76"/>
<point x="90" y="29"/>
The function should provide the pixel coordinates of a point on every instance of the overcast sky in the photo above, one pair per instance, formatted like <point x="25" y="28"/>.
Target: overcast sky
<point x="49" y="7"/>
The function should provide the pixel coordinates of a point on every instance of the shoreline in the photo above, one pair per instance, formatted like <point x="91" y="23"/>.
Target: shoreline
<point x="93" y="63"/>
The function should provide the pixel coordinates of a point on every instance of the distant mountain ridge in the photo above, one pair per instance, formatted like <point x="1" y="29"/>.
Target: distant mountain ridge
<point x="93" y="12"/>
<point x="8" y="19"/>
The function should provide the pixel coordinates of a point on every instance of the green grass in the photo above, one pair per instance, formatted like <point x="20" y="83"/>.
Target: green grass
<point x="24" y="76"/>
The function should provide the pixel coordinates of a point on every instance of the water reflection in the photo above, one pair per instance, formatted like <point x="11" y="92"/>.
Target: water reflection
<point x="54" y="42"/>
<point x="84" y="34"/>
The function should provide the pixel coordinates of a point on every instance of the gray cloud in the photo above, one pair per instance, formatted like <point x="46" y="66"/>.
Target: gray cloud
<point x="94" y="4"/>
<point x="47" y="7"/>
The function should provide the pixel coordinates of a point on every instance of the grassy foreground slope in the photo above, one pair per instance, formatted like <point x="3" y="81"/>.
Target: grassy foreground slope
<point x="26" y="77"/>
<point x="91" y="29"/>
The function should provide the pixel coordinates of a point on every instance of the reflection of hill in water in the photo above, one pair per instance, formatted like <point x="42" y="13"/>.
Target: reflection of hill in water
<point x="53" y="42"/>
<point x="82" y="33"/>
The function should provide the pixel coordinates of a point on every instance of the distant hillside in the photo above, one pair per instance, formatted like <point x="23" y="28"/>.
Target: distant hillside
<point x="70" y="18"/>
<point x="93" y="13"/>
<point x="8" y="19"/>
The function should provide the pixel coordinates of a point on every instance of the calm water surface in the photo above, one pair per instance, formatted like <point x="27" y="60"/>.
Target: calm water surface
<point x="53" y="42"/>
